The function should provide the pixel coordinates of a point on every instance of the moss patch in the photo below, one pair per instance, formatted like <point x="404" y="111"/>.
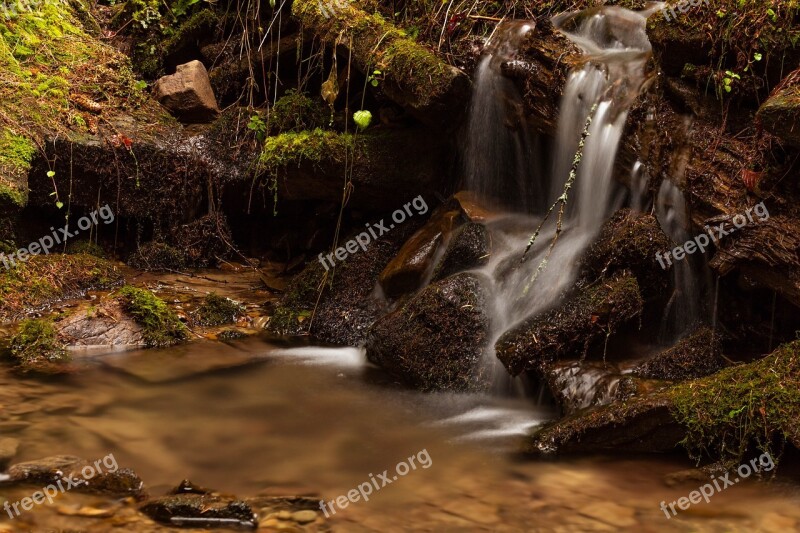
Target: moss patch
<point x="47" y="278"/>
<point x="757" y="403"/>
<point x="160" y="323"/>
<point x="313" y="146"/>
<point x="54" y="76"/>
<point x="37" y="348"/>
<point x="216" y="311"/>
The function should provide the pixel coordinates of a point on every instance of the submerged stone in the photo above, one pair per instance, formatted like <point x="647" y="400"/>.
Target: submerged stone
<point x="97" y="477"/>
<point x="200" y="510"/>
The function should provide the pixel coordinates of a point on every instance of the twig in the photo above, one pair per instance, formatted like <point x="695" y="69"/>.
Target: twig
<point x="481" y="17"/>
<point x="562" y="200"/>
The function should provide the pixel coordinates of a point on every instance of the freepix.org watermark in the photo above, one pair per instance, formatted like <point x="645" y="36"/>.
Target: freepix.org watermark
<point x="376" y="231"/>
<point x="329" y="9"/>
<point x="10" y="9"/>
<point x="718" y="484"/>
<point x="684" y="6"/>
<point x="714" y="234"/>
<point x="61" y="486"/>
<point x="364" y="490"/>
<point x="59" y="236"/>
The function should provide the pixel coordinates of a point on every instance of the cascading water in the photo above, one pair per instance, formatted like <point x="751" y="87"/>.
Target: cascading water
<point x="616" y="48"/>
<point x="497" y="130"/>
<point x="683" y="309"/>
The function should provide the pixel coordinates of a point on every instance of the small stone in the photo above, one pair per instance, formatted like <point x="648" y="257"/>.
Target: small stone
<point x="303" y="517"/>
<point x="284" y="515"/>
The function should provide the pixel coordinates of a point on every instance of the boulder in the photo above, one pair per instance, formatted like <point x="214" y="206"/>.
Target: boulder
<point x="103" y="325"/>
<point x="436" y="341"/>
<point x="630" y="240"/>
<point x="187" y="94"/>
<point x="568" y="331"/>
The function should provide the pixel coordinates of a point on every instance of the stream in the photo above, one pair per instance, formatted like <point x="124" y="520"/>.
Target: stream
<point x="251" y="417"/>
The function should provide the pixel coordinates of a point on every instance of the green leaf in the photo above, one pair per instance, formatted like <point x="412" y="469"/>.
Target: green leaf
<point x="51" y="173"/>
<point x="362" y="119"/>
<point x="374" y="83"/>
<point x="59" y="204"/>
<point x="757" y="56"/>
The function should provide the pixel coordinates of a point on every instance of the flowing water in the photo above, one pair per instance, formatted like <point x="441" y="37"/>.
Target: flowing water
<point x="252" y="418"/>
<point x="593" y="110"/>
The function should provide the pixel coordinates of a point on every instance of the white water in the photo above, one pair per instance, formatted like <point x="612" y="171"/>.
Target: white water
<point x="616" y="48"/>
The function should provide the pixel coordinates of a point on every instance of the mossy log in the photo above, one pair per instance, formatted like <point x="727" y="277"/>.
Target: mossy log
<point x="414" y="76"/>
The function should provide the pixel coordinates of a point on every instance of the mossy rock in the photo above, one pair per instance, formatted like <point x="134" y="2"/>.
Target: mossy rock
<point x="161" y="325"/>
<point x="748" y="404"/>
<point x="217" y="311"/>
<point x="37" y="348"/>
<point x="568" y="330"/>
<point x="780" y="114"/>
<point x="414" y="77"/>
<point x="696" y="356"/>
<point x="436" y="341"/>
<point x="295" y="112"/>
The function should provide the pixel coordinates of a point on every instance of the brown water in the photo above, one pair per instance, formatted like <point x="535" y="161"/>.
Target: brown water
<point x="248" y="419"/>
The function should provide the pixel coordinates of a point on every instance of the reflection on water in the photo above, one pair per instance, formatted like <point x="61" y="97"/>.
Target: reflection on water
<point x="247" y="419"/>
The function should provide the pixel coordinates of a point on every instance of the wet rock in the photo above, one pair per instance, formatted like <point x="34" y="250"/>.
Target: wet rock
<point x="641" y="425"/>
<point x="580" y="384"/>
<point x="187" y="487"/>
<point x="436" y="340"/>
<point x="569" y="330"/>
<point x="200" y="510"/>
<point x="630" y="240"/>
<point x="472" y="207"/>
<point x="342" y="309"/>
<point x="469" y="247"/>
<point x="696" y="356"/>
<point x="187" y="94"/>
<point x="104" y="325"/>
<point x="415" y="260"/>
<point x="95" y="477"/>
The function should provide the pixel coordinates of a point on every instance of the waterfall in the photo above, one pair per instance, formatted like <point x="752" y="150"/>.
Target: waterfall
<point x="498" y="160"/>
<point x="616" y="50"/>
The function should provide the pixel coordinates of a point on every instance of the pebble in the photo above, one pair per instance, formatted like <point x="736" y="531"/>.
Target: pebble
<point x="303" y="517"/>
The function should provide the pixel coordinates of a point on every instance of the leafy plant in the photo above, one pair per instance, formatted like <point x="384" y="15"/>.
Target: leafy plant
<point x="258" y="126"/>
<point x="362" y="119"/>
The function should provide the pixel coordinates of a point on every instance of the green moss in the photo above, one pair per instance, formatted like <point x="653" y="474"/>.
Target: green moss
<point x="47" y="60"/>
<point x="16" y="154"/>
<point x="295" y="112"/>
<point x="44" y="279"/>
<point x="313" y="146"/>
<point x="216" y="311"/>
<point x="36" y="347"/>
<point x="160" y="323"/>
<point x="756" y="403"/>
